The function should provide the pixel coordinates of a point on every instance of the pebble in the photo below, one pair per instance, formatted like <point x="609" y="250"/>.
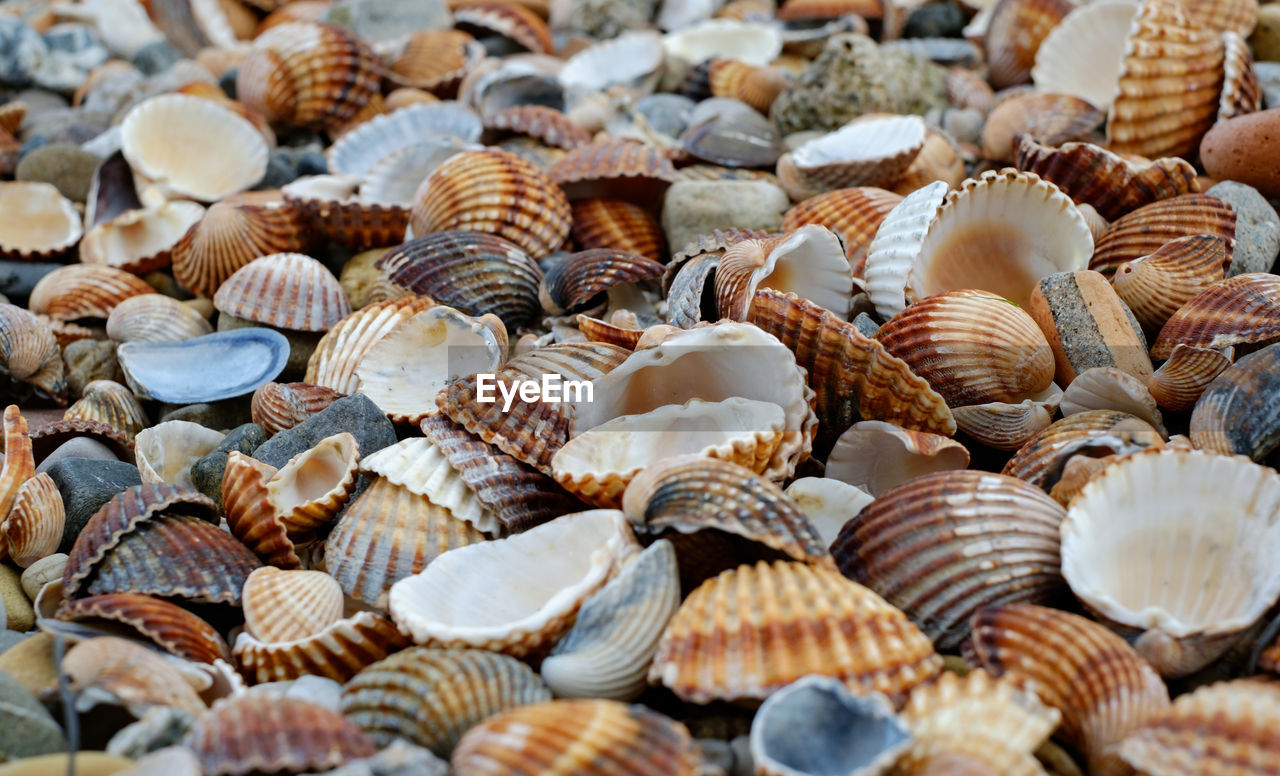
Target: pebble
<point x="602" y="19"/>
<point x="30" y="661"/>
<point x="74" y="50"/>
<point x="1265" y="40"/>
<point x="356" y="413"/>
<point x="18" y="612"/>
<point x="1257" y="228"/>
<point x="398" y="759"/>
<point x="1269" y="79"/>
<point x="281" y="169"/>
<point x="155" y="57"/>
<point x="1088" y="326"/>
<point x="88" y="360"/>
<point x="21" y="50"/>
<point x="694" y="208"/>
<point x="66" y="166"/>
<point x="85" y="485"/>
<point x="77" y="447"/>
<point x="939" y="20"/>
<point x="218" y="415"/>
<point x="384" y="20"/>
<point x="42" y="572"/>
<point x="227" y="83"/>
<point x="1244" y="149"/>
<point x="17" y="278"/>
<point x="26" y="727"/>
<point x="206" y="473"/>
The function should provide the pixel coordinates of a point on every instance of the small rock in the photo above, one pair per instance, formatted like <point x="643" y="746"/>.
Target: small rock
<point x="301" y="344"/>
<point x="227" y="83"/>
<point x="21" y="51"/>
<point x="26" y="727"/>
<point x="312" y="163"/>
<point x="385" y="20"/>
<point x="356" y="414"/>
<point x="1269" y="80"/>
<point x="1243" y="149"/>
<point x="281" y="170"/>
<point x="42" y="572"/>
<point x="742" y="761"/>
<point x="86" y="485"/>
<point x="316" y="689"/>
<point x="202" y="305"/>
<point x="865" y="325"/>
<point x="694" y="208"/>
<point x="18" y="612"/>
<point x="206" y="473"/>
<point x="1265" y="40"/>
<point x="155" y="57"/>
<point x="64" y="165"/>
<point x="216" y="415"/>
<point x="603" y="19"/>
<point x="358" y="275"/>
<point x="159" y="727"/>
<point x="77" y="447"/>
<point x="74" y="51"/>
<point x="1088" y="326"/>
<point x="31" y="663"/>
<point x="939" y="20"/>
<point x="1257" y="227"/>
<point x="17" y="278"/>
<point x="666" y="113"/>
<point x="164" y="283"/>
<point x="398" y="759"/>
<point x="88" y="360"/>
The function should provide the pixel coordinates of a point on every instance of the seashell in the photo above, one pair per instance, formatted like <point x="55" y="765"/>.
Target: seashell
<point x="1155" y="286"/>
<point x="544" y="124"/>
<point x="337" y="652"/>
<point x="613" y="168"/>
<point x="896" y="244"/>
<point x="757" y="44"/>
<point x="285" y="290"/>
<point x="828" y="503"/>
<point x="870" y="151"/>
<point x="333" y="364"/>
<point x="315" y="484"/>
<point x="140" y="241"/>
<point x="1084" y="54"/>
<point x="308" y="75"/>
<point x="434" y="59"/>
<point x="267" y="733"/>
<point x="607" y="652"/>
<point x="473" y="191"/>
<point x="193" y="24"/>
<point x="235" y="231"/>
<point x="631" y="63"/>
<point x="1237" y="16"/>
<point x="250" y="515"/>
<point x="220" y="153"/>
<point x="1149" y="228"/>
<point x="1151" y="116"/>
<point x="33" y="528"/>
<point x="952" y="705"/>
<point x="1234" y="415"/>
<point x="66" y="332"/>
<point x="941" y="159"/>
<point x="84" y="291"/>
<point x="972" y="347"/>
<point x="359" y="151"/>
<point x="290" y="605"/>
<point x="850" y="734"/>
<point x="591" y="543"/>
<point x="1094" y="433"/>
<point x="1103" y="688"/>
<point x="1181" y="628"/>
<point x="756" y="85"/>
<point x="29" y="353"/>
<point x="731" y="134"/>
<point x="1234" y="311"/>
<point x="808" y="262"/>
<point x="876" y="456"/>
<point x="983" y="538"/>
<point x="1008" y="215"/>
<point x="390" y="533"/>
<point x="1111" y="184"/>
<point x="19" y="464"/>
<point x="280" y="406"/>
<point x="967" y="89"/>
<point x="38" y="223"/>
<point x="421" y="467"/>
<point x="587" y="737"/>
<point x="514" y="22"/>
<point x="155" y="318"/>
<point x="582" y="278"/>
<point x="110" y="403"/>
<point x="126" y="673"/>
<point x="1014" y="34"/>
<point x="1180" y="381"/>
<point x="329" y="205"/>
<point x="596" y="330"/>
<point x="431" y="697"/>
<point x="1051" y="119"/>
<point x="203" y="369"/>
<point x="1109" y="388"/>
<point x="829" y="619"/>
<point x="618" y="225"/>
<point x="854" y="214"/>
<point x="47" y="437"/>
<point x="1008" y="426"/>
<point x="173" y="628"/>
<point x="1241" y="92"/>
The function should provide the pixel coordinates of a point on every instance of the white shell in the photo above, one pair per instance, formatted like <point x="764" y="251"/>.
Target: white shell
<point x="395" y="178"/>
<point x="35" y="218"/>
<point x="166" y="451"/>
<point x="1108" y="388"/>
<point x="896" y="244"/>
<point x="828" y="503"/>
<point x="810" y="262"/>
<point x="138" y="235"/>
<point x="758" y="44"/>
<point x="876" y="456"/>
<point x="633" y="59"/>
<point x="357" y="151"/>
<point x="1083" y="54"/>
<point x="419" y="466"/>
<point x="860" y="146"/>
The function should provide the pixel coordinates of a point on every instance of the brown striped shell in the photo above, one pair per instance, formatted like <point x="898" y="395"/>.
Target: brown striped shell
<point x="333" y="364"/>
<point x="1180" y="381"/>
<point x="582" y="278"/>
<point x="155" y="318"/>
<point x="1094" y="433"/>
<point x="1241" y="91"/>
<point x="853" y="213"/>
<point x="29" y="352"/>
<point x="1236" y="414"/>
<point x="614" y="333"/>
<point x="128" y="674"/>
<point x="612" y="168"/>
<point x="1013" y="36"/>
<point x="112" y="404"/>
<point x="331" y="208"/>
<point x="756" y="85"/>
<point x="808" y="262"/>
<point x="1143" y="231"/>
<point x="617" y="224"/>
<point x="251" y="517"/>
<point x="540" y="122"/>
<point x="170" y="626"/>
<point x="506" y="19"/>
<point x="434" y="60"/>
<point x="1236" y="311"/>
<point x="1051" y="119"/>
<point x="284" y="605"/>
<point x="280" y="406"/>
<point x="336" y="652"/>
<point x="33" y="528"/>
<point x="284" y="290"/>
<point x="84" y="291"/>
<point x="1155" y="286"/>
<point x="1238" y="16"/>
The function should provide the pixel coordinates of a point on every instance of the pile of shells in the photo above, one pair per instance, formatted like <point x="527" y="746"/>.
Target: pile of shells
<point x="630" y="387"/>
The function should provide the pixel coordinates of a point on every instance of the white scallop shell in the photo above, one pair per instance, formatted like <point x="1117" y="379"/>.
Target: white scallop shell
<point x="35" y="218"/>
<point x="633" y="59"/>
<point x="896" y="244"/>
<point x="877" y="456"/>
<point x="758" y="44"/>
<point x="420" y="467"/>
<point x="139" y="235"/>
<point x="1083" y="54"/>
<point x="852" y="155"/>
<point x="357" y="151"/>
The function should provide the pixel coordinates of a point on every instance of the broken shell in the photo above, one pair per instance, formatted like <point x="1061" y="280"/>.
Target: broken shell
<point x="622" y="335"/>
<point x="284" y="290"/>
<point x="170" y="626"/>
<point x="1241" y="92"/>
<point x="614" y="168"/>
<point x="110" y="403"/>
<point x="431" y="697"/>
<point x="1155" y="286"/>
<point x="251" y="517"/>
<point x="203" y="369"/>
<point x="290" y="605"/>
<point x="127" y="673"/>
<point x="808" y="262"/>
<point x="1051" y="119"/>
<point x="578" y="282"/>
<point x="619" y="225"/>
<point x="421" y="467"/>
<point x="33" y="528"/>
<point x="834" y="628"/>
<point x="330" y="206"/>
<point x="38" y="223"/>
<point x="1180" y="381"/>
<point x="1094" y="433"/>
<point x="359" y="151"/>
<point x="1234" y="311"/>
<point x="592" y="543"/>
<point x="1083" y="55"/>
<point x="1235" y="414"/>
<point x="155" y="318"/>
<point x="1147" y="229"/>
<point x="941" y="159"/>
<point x="84" y="291"/>
<point x="434" y="59"/>
<point x="315" y="484"/>
<point x="872" y="151"/>
<point x="876" y="456"/>
<point x="140" y="241"/>
<point x="758" y="44"/>
<point x="280" y="406"/>
<point x="333" y="364"/>
<point x="1109" y="388"/>
<point x="854" y="214"/>
<point x="29" y="352"/>
<point x="1014" y="34"/>
<point x="896" y="244"/>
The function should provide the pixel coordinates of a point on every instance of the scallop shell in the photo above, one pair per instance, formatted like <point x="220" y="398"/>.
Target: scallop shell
<point x="508" y="20"/>
<point x="1180" y="381"/>
<point x="285" y="290"/>
<point x="19" y="464"/>
<point x="1147" y="229"/>
<point x="1234" y="311"/>
<point x="1155" y="286"/>
<point x="577" y="738"/>
<point x="315" y="484"/>
<point x="263" y="732"/>
<point x="29" y="353"/>
<point x="978" y="703"/>
<point x="33" y="527"/>
<point x="1109" y="388"/>
<point x="1051" y="119"/>
<point x="808" y="262"/>
<point x="897" y="242"/>
<point x="544" y="124"/>
<point x="38" y="223"/>
<point x="220" y="153"/>
<point x="128" y="674"/>
<point x="333" y="364"/>
<point x="1014" y="34"/>
<point x="834" y="627"/>
<point x="630" y="63"/>
<point x="1007" y="426"/>
<point x="854" y="214"/>
<point x="592" y="543"/>
<point x="477" y="191"/>
<point x="614" y="168"/>
<point x="434" y="59"/>
<point x="47" y="437"/>
<point x="618" y="333"/>
<point x="420" y="466"/>
<point x="619" y="225"/>
<point x="756" y="85"/>
<point x="290" y="605"/>
<point x="251" y="517"/>
<point x="84" y="291"/>
<point x="1241" y="92"/>
<point x="308" y="75"/>
<point x="110" y="403"/>
<point x="337" y="652"/>
<point x="155" y="318"/>
<point x="140" y="241"/>
<point x="876" y="456"/>
<point x="577" y="282"/>
<point x="1103" y="688"/>
<point x="1010" y="215"/>
<point x="330" y="207"/>
<point x="431" y="697"/>
<point x="173" y="628"/>
<point x="359" y="151"/>
<point x="1095" y="433"/>
<point x="1234" y="415"/>
<point x="280" y="406"/>
<point x="1083" y="55"/>
<point x="871" y="151"/>
<point x="945" y="544"/>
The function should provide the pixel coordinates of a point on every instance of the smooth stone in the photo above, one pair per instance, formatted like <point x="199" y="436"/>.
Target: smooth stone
<point x="26" y="727"/>
<point x="156" y="57"/>
<point x="17" y="278"/>
<point x="1257" y="227"/>
<point x="31" y="144"/>
<point x="281" y="170"/>
<point x="206" y="473"/>
<point x="86" y="485"/>
<point x="312" y="163"/>
<point x="42" y="572"/>
<point x="1243" y="149"/>
<point x="21" y="51"/>
<point x="18" y="612"/>
<point x="1269" y="79"/>
<point x="301" y="344"/>
<point x="940" y="20"/>
<point x="31" y="663"/>
<point x="218" y="415"/>
<point x="215" y="366"/>
<point x="695" y="208"/>
<point x="1265" y="40"/>
<point x="66" y="125"/>
<point x="384" y="20"/>
<point x="227" y="83"/>
<point x="77" y="447"/>
<point x="866" y="325"/>
<point x="66" y="166"/>
<point x="316" y="689"/>
<point x="88" y="360"/>
<point x="202" y="305"/>
<point x="400" y="758"/>
<point x="1088" y="325"/>
<point x="356" y="414"/>
<point x="164" y="283"/>
<point x="74" y="51"/>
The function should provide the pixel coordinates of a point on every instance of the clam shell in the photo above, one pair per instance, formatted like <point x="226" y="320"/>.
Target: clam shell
<point x="1006" y="426"/>
<point x="203" y="369"/>
<point x="110" y="403"/>
<point x="872" y="151"/>
<point x="1083" y="55"/>
<point x="1109" y="388"/>
<point x="1234" y="311"/>
<point x="578" y="281"/>
<point x="33" y="528"/>
<point x="547" y="125"/>
<point x="1014" y="34"/>
<point x="1051" y="119"/>
<point x="308" y="75"/>
<point x="494" y="192"/>
<point x="1180" y="381"/>
<point x="129" y="674"/>
<point x="251" y="517"/>
<point x="38" y="223"/>
<point x="1155" y="286"/>
<point x="943" y="545"/>
<point x="1103" y="688"/>
<point x="631" y="63"/>
<point x="1095" y="433"/>
<point x="29" y="352"/>
<point x="854" y="214"/>
<point x="897" y="242"/>
<point x="619" y="225"/>
<point x="285" y="290"/>
<point x="434" y="59"/>
<point x="607" y="652"/>
<point x="19" y="464"/>
<point x="431" y="697"/>
<point x="280" y="406"/>
<point x="315" y="484"/>
<point x="1147" y="229"/>
<point x="756" y="85"/>
<point x="876" y="456"/>
<point x="166" y="450"/>
<point x="828" y="503"/>
<point x="359" y="151"/>
<point x="808" y="262"/>
<point x="1241" y="92"/>
<point x="155" y="318"/>
<point x="233" y="232"/>
<point x="954" y="705"/>
<point x="337" y="652"/>
<point x="508" y="20"/>
<point x="333" y="364"/>
<point x="290" y="605"/>
<point x="265" y="733"/>
<point x="1009" y="215"/>
<point x="140" y="241"/>
<point x="592" y="543"/>
<point x="220" y="153"/>
<point x="330" y="206"/>
<point x="613" y="168"/>
<point x="420" y="466"/>
<point x="756" y="43"/>
<point x="84" y="291"/>
<point x="729" y="134"/>
<point x="1235" y="415"/>
<point x="834" y="627"/>
<point x="170" y="626"/>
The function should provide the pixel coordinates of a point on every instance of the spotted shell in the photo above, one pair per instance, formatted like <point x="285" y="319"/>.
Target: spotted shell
<point x="285" y="290"/>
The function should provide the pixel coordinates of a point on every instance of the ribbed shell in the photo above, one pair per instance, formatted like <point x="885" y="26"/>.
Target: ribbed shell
<point x="1002" y="425"/>
<point x="234" y="232"/>
<point x="289" y="605"/>
<point x="331" y="209"/>
<point x="494" y="192"/>
<point x="250" y="515"/>
<point x="597" y="330"/>
<point x="756" y="85"/>
<point x="47" y="437"/>
<point x="29" y="352"/>
<point x="280" y="406"/>
<point x="431" y="697"/>
<point x="1145" y="230"/>
<point x="897" y="243"/>
<point x="869" y="151"/>
<point x="112" y="404"/>
<point x="854" y="214"/>
<point x="39" y="223"/>
<point x="808" y="262"/>
<point x="155" y="318"/>
<point x="419" y="465"/>
<point x="754" y="629"/>
<point x="338" y="652"/>
<point x="540" y="122"/>
<point x="1103" y="688"/>
<point x="1155" y="286"/>
<point x="33" y="528"/>
<point x="1180" y="381"/>
<point x="126" y="673"/>
<point x="142" y="240"/>
<point x="285" y="290"/>
<point x="1237" y="311"/>
<point x="308" y="75"/>
<point x="170" y="626"/>
<point x="84" y="291"/>
<point x="19" y="464"/>
<point x="359" y="152"/>
<point x="1014" y="33"/>
<point x="268" y="733"/>
<point x="435" y="60"/>
<point x="1241" y="91"/>
<point x="577" y="738"/>
<point x="1048" y="118"/>
<point x="617" y="224"/>
<point x="798" y="10"/>
<point x="1237" y="413"/>
<point x="978" y="703"/>
<point x="315" y="484"/>
<point x="333" y="364"/>
<point x="1040" y="460"/>
<point x="943" y="545"/>
<point x="509" y="20"/>
<point x="612" y="168"/>
<point x="575" y="283"/>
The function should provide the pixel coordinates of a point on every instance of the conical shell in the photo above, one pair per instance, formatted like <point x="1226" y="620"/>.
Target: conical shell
<point x="112" y="404"/>
<point x="614" y="168"/>
<point x="1051" y="119"/>
<point x="1095" y="433"/>
<point x="582" y="278"/>
<point x="337" y="652"/>
<point x="331" y="207"/>
<point x="617" y="224"/>
<point x="871" y="151"/>
<point x="1241" y="91"/>
<point x="1180" y="381"/>
<point x="251" y="517"/>
<point x="978" y="703"/>
<point x="1235" y="311"/>
<point x="577" y="738"/>
<point x="792" y="619"/>
<point x="498" y="193"/>
<point x="876" y="456"/>
<point x="808" y="262"/>
<point x="33" y="528"/>
<point x="1083" y="55"/>
<point x="854" y="214"/>
<point x="140" y="241"/>
<point x="592" y="544"/>
<point x="435" y="60"/>
<point x="360" y="151"/>
<point x="1155" y="286"/>
<point x="1235" y="415"/>
<point x="280" y="406"/>
<point x="897" y="242"/>
<point x="129" y="674"/>
<point x="333" y="364"/>
<point x="29" y="352"/>
<point x="308" y="75"/>
<point x="431" y="697"/>
<point x="38" y="223"/>
<point x="155" y="318"/>
<point x="285" y="290"/>
<point x="234" y="232"/>
<point x="170" y="626"/>
<point x="315" y="484"/>
<point x="290" y="605"/>
<point x="1145" y="230"/>
<point x="943" y="545"/>
<point x="84" y="291"/>
<point x="1014" y="34"/>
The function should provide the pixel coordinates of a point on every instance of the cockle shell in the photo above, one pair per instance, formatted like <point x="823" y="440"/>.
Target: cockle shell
<point x="870" y="151"/>
<point x="1235" y="415"/>
<point x="828" y="503"/>
<point x="33" y="528"/>
<point x="631" y="62"/>
<point x="1083" y="55"/>
<point x="1009" y="426"/>
<point x="1014" y="34"/>
<point x="233" y="232"/>
<point x="337" y="652"/>
<point x="110" y="403"/>
<point x="285" y="290"/>
<point x="1234" y="311"/>
<point x="621" y="332"/>
<point x="421" y="467"/>
<point x="29" y="352"/>
<point x="541" y="123"/>
<point x="756" y="85"/>
<point x="140" y="241"/>
<point x="941" y="159"/>
<point x="1094" y="433"/>
<point x="250" y="516"/>
<point x="1241" y="92"/>
<point x="581" y="279"/>
<point x="876" y="456"/>
<point x="1051" y="119"/>
<point x="331" y="206"/>
<point x="126" y="673"/>
<point x="615" y="168"/>
<point x="1155" y="286"/>
<point x="333" y="364"/>
<point x="155" y="318"/>
<point x="84" y="291"/>
<point x="290" y="605"/>
<point x="170" y="626"/>
<point x="1109" y="388"/>
<point x="616" y="224"/>
<point x="896" y="244"/>
<point x="977" y="703"/>
<point x="280" y="406"/>
<point x="38" y="223"/>
<point x="808" y="262"/>
<point x="315" y="484"/>
<point x="360" y="151"/>
<point x="508" y="20"/>
<point x="1180" y="381"/>
<point x="434" y="59"/>
<point x="1143" y="231"/>
<point x="19" y="464"/>
<point x="854" y="214"/>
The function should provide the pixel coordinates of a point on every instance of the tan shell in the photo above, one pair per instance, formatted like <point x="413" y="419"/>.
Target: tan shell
<point x="19" y="464"/>
<point x="1241" y="92"/>
<point x="29" y="352"/>
<point x="618" y="333"/>
<point x="1180" y="381"/>
<point x="38" y="223"/>
<point x="1109" y="388"/>
<point x="1147" y="229"/>
<point x="613" y="168"/>
<point x="285" y="290"/>
<point x="110" y="403"/>
<point x="130" y="674"/>
<point x="1235" y="311"/>
<point x="547" y="125"/>
<point x="234" y="232"/>
<point x="280" y="406"/>
<point x="509" y="20"/>
<point x="140" y="241"/>
<point x="876" y="456"/>
<point x="617" y="224"/>
<point x="808" y="262"/>
<point x="1041" y="460"/>
<point x="314" y="485"/>
<point x="84" y="291"/>
<point x="333" y="364"/>
<point x="332" y="208"/>
<point x="1051" y="119"/>
<point x="977" y="703"/>
<point x="1155" y="286"/>
<point x="421" y="467"/>
<point x="251" y="517"/>
<point x="435" y="60"/>
<point x="155" y="318"/>
<point x="1007" y="426"/>
<point x="1014" y="34"/>
<point x="33" y="528"/>
<point x="290" y="605"/>
<point x="941" y="159"/>
<point x="756" y="85"/>
<point x="854" y="214"/>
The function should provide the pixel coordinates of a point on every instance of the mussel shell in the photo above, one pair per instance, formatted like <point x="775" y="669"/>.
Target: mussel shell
<point x="203" y="369"/>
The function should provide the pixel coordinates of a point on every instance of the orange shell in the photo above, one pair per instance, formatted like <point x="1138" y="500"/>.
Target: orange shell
<point x="234" y="232"/>
<point x="1236" y="311"/>
<point x="285" y="290"/>
<point x="614" y="223"/>
<point x="1145" y="230"/>
<point x="84" y="291"/>
<point x="175" y="629"/>
<point x="1179" y="382"/>
<point x="854" y="214"/>
<point x="510" y="20"/>
<point x="612" y="168"/>
<point x="435" y="60"/>
<point x="332" y="211"/>
<point x="1051" y="119"/>
<point x="1014" y="34"/>
<point x="251" y="517"/>
<point x="338" y="652"/>
<point x="1155" y="286"/>
<point x="33" y="528"/>
<point x="801" y="10"/>
<point x="1241" y="91"/>
<point x="129" y="673"/>
<point x="756" y="85"/>
<point x="280" y="406"/>
<point x="1238" y="16"/>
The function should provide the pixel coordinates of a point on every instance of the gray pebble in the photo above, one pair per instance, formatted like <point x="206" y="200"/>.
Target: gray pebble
<point x="86" y="485"/>
<point x="77" y="447"/>
<point x="66" y="166"/>
<point x="356" y="413"/>
<point x="694" y="208"/>
<point x="17" y="278"/>
<point x="227" y="83"/>
<point x="88" y="360"/>
<point x="1269" y="79"/>
<point x="206" y="473"/>
<point x="155" y="57"/>
<point x="1257" y="227"/>
<point x="73" y="51"/>
<point x="21" y="51"/>
<point x="281" y="169"/>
